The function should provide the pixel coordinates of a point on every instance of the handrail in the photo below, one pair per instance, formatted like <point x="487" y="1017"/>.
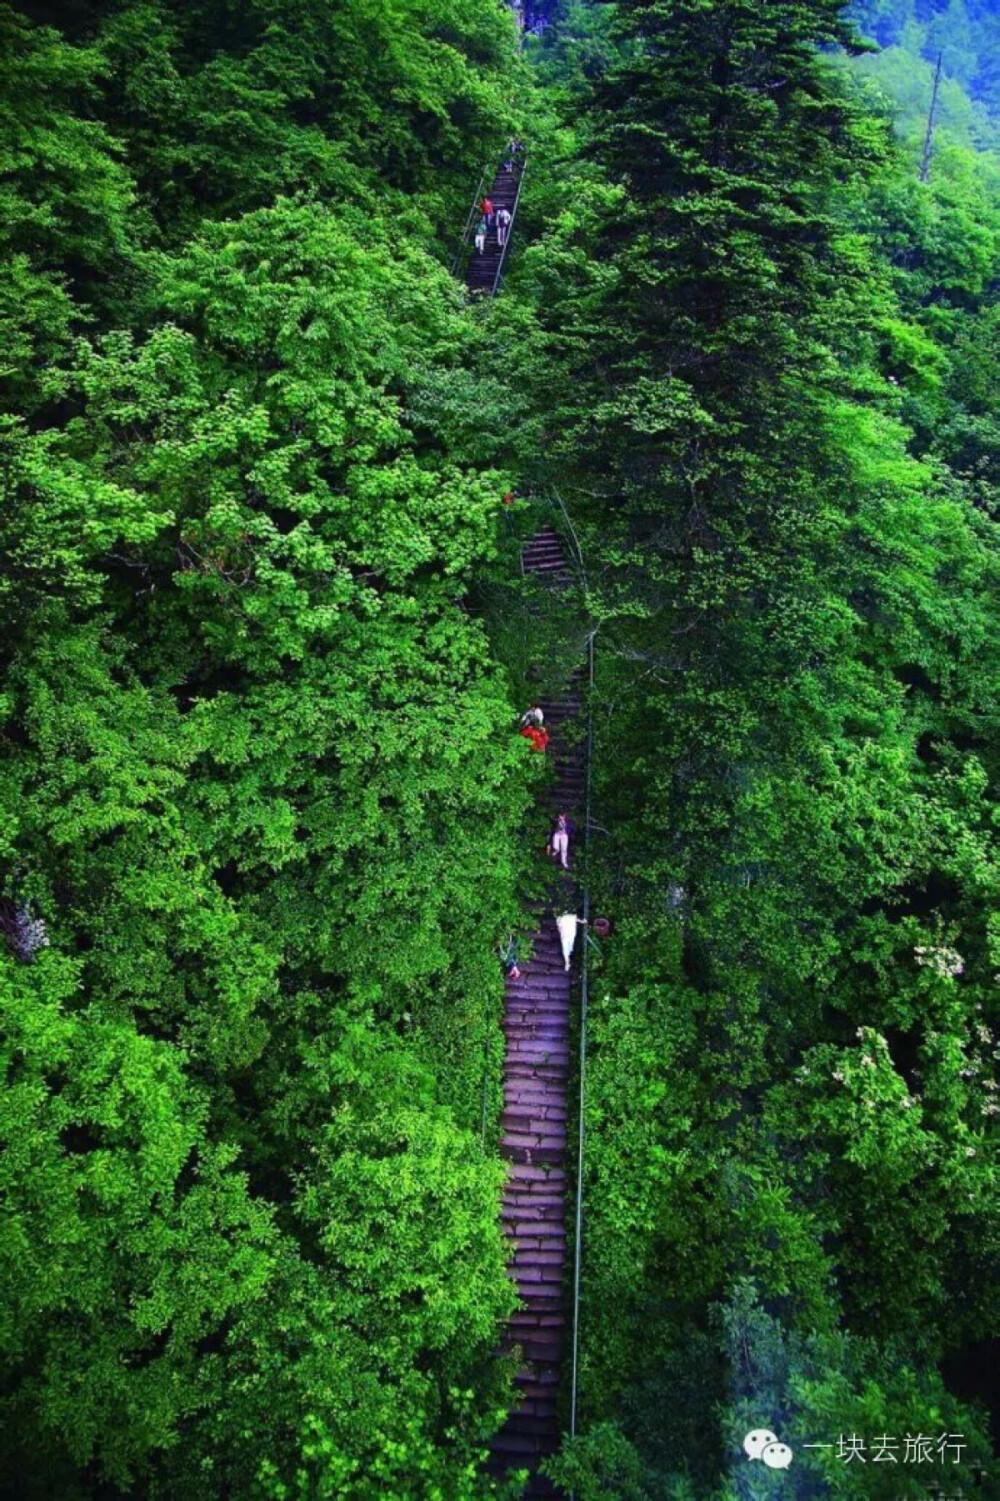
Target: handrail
<point x="510" y="227"/>
<point x="584" y="1001"/>
<point x="470" y="217"/>
<point x="573" y="537"/>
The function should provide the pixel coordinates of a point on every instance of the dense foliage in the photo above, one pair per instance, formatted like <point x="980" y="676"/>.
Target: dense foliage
<point x="963" y="33"/>
<point x="777" y="442"/>
<point x="262" y="813"/>
<point x="256" y="779"/>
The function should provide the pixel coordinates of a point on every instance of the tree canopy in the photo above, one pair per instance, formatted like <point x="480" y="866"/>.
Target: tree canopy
<point x="264" y="816"/>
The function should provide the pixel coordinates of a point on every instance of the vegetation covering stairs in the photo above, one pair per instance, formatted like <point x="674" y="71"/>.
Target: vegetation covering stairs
<point x="536" y="1072"/>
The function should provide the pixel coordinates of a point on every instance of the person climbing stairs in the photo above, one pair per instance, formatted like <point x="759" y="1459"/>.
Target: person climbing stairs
<point x="484" y="269"/>
<point x="536" y="1075"/>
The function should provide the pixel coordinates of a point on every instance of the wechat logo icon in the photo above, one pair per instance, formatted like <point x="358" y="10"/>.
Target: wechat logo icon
<point x="761" y="1443"/>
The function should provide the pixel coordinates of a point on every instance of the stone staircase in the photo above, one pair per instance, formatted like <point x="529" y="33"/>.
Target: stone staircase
<point x="536" y="1074"/>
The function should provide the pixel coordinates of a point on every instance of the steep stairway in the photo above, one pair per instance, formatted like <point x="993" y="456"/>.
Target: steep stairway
<point x="482" y="271"/>
<point x="536" y="1075"/>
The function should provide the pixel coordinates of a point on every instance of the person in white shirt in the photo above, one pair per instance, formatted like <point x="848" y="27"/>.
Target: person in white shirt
<point x="567" y="923"/>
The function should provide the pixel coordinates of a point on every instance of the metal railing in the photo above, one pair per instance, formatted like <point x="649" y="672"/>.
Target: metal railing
<point x="584" y="1001"/>
<point x="470" y="218"/>
<point x="571" y="533"/>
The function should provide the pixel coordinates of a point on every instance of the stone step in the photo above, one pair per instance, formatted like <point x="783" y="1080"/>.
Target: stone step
<point x="541" y="1010"/>
<point x="546" y="1235"/>
<point x="528" y="1068"/>
<point x="537" y="1114"/>
<point x="536" y="1175"/>
<point x="517" y="1445"/>
<point x="524" y="1020"/>
<point x="554" y="1114"/>
<point x="538" y="1277"/>
<point x="532" y="1154"/>
<point x="541" y="1378"/>
<point x="522" y="1070"/>
<point x="521" y="1213"/>
<point x="523" y="1036"/>
<point x="541" y="1349"/>
<point x="538" y="1407"/>
<point x="555" y="1256"/>
<point x="541" y="1045"/>
<point x="540" y="1295"/>
<point x="543" y="1054"/>
<point x="537" y="1235"/>
<point x="545" y="1133"/>
<point x="533" y="1199"/>
<point x="530" y="1140"/>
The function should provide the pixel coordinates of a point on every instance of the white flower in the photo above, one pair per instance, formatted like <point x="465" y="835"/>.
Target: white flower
<point x="943" y="961"/>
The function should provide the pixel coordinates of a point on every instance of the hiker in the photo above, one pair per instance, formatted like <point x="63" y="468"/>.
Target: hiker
<point x="531" y="727"/>
<point x="509" y="497"/>
<point x="567" y="923"/>
<point x="503" y="226"/>
<point x="514" y="151"/>
<point x="489" y="213"/>
<point x="481" y="237"/>
<point x="558" y="845"/>
<point x="508" y="958"/>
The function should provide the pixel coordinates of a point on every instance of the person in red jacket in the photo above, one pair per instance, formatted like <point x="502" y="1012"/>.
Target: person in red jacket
<point x="489" y="213"/>
<point x="531" y="726"/>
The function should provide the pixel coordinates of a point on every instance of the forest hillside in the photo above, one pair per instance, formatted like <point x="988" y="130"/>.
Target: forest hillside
<point x="266" y="816"/>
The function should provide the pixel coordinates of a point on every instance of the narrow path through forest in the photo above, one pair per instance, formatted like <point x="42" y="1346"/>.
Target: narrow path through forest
<point x="536" y="1074"/>
<point x="536" y="1067"/>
